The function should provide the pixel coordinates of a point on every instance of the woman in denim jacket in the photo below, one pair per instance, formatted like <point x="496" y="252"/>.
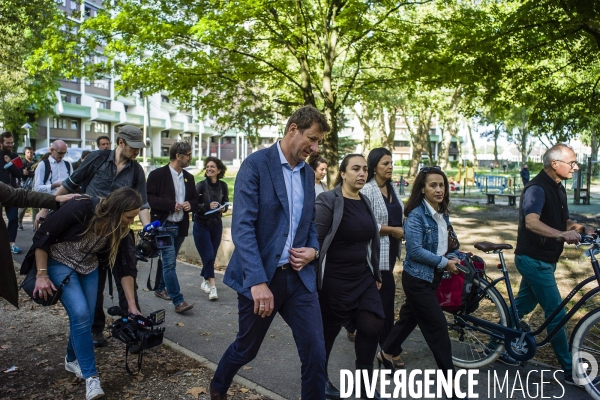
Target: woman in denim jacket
<point x="426" y="232"/>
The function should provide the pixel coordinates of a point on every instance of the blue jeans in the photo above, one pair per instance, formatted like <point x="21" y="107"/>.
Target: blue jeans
<point x="301" y="311"/>
<point x="169" y="261"/>
<point x="539" y="286"/>
<point x="79" y="300"/>
<point x="208" y="239"/>
<point x="12" y="214"/>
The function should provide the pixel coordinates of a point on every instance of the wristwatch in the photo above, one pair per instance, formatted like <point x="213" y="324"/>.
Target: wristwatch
<point x="316" y="253"/>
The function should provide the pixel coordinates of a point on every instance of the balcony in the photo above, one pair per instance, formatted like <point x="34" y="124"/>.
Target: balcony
<point x="134" y="119"/>
<point x="170" y="108"/>
<point x="76" y="110"/>
<point x="109" y="115"/>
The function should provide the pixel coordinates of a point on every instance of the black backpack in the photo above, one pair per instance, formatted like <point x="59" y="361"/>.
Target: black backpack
<point x="48" y="170"/>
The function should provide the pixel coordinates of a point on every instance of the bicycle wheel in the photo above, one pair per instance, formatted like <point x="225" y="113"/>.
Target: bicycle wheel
<point x="472" y="348"/>
<point x="586" y="340"/>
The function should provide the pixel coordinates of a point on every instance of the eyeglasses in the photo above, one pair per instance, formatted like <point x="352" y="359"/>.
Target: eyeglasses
<point x="572" y="164"/>
<point x="427" y="169"/>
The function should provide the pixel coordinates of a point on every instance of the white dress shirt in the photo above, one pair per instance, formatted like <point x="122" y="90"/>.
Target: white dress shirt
<point x="179" y="184"/>
<point x="58" y="173"/>
<point x="442" y="248"/>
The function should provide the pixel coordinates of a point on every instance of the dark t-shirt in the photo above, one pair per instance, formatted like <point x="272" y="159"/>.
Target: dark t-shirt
<point x="533" y="200"/>
<point x="347" y="254"/>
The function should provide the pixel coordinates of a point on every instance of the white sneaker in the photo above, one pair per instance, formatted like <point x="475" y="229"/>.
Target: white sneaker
<point x="93" y="389"/>
<point x="205" y="286"/>
<point x="213" y="293"/>
<point x="73" y="366"/>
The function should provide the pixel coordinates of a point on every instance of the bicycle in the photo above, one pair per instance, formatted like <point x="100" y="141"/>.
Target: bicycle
<point x="481" y="334"/>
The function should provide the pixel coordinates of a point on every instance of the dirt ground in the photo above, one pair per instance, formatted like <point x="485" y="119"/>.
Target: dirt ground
<point x="33" y="338"/>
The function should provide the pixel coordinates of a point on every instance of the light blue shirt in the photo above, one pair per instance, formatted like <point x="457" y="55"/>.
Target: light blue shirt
<point x="295" y="195"/>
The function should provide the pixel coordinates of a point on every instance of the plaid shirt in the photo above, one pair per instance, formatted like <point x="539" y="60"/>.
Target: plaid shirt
<point x="373" y="193"/>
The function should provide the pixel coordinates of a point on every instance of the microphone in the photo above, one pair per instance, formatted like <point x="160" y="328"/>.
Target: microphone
<point x="151" y="226"/>
<point x="117" y="312"/>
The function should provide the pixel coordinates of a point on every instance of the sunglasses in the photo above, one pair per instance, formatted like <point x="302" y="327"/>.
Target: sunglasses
<point x="427" y="169"/>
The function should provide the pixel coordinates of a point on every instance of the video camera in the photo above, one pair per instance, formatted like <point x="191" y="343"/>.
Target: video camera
<point x="137" y="331"/>
<point x="153" y="239"/>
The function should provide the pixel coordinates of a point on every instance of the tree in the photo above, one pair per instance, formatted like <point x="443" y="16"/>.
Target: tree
<point x="25" y="91"/>
<point x="314" y="52"/>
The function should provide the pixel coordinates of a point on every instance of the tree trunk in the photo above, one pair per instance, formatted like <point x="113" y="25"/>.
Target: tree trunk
<point x="470" y="129"/>
<point x="496" y="136"/>
<point x="330" y="145"/>
<point x="364" y="118"/>
<point x="594" y="145"/>
<point x="392" y="126"/>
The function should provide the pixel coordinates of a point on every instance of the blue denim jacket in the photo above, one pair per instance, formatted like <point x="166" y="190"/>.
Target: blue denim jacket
<point x="421" y="233"/>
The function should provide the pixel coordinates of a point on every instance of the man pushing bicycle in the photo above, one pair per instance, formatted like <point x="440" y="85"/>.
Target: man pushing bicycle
<point x="544" y="227"/>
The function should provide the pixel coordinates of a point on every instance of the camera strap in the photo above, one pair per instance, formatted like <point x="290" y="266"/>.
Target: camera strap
<point x="159" y="269"/>
<point x="139" y="362"/>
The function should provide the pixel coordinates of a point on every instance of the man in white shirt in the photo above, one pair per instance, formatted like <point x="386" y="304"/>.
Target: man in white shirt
<point x="49" y="182"/>
<point x="172" y="196"/>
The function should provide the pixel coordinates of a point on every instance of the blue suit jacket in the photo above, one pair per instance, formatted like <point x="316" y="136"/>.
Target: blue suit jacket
<point x="261" y="220"/>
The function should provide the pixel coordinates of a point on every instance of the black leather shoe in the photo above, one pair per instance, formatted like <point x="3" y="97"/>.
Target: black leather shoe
<point x="331" y="392"/>
<point x="99" y="340"/>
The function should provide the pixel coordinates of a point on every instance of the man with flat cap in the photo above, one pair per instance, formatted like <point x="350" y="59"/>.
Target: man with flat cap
<point x="102" y="172"/>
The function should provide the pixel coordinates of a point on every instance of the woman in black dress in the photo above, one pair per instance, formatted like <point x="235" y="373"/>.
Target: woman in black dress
<point x="348" y="274"/>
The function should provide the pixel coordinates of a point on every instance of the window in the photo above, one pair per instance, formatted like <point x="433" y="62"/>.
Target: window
<point x="164" y="134"/>
<point x="73" y="5"/>
<point x="266" y="141"/>
<point x="103" y="83"/>
<point x="105" y="104"/>
<point x="432" y="131"/>
<point x="401" y="143"/>
<point x="70" y="98"/>
<point x="164" y="99"/>
<point x="102" y="127"/>
<point x="74" y="125"/>
<point x="190" y="119"/>
<point x="59" y="123"/>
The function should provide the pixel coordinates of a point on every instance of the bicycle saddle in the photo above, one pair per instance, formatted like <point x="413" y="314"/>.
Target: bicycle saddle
<point x="487" y="246"/>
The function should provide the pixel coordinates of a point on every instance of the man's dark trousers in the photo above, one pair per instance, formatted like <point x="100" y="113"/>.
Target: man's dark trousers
<point x="99" y="317"/>
<point x="12" y="214"/>
<point x="300" y="310"/>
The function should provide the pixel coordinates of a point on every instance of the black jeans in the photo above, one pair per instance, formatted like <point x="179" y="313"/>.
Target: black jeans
<point x="422" y="308"/>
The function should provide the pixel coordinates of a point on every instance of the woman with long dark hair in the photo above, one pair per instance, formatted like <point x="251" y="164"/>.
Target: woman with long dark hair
<point x="387" y="207"/>
<point x="426" y="231"/>
<point x="68" y="243"/>
<point x="208" y="226"/>
<point x="348" y="274"/>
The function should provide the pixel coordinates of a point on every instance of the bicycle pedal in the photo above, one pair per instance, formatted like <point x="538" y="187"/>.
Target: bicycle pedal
<point x="524" y="326"/>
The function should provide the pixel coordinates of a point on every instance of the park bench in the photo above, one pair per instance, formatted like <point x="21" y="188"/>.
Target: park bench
<point x="493" y="182"/>
<point x="512" y="198"/>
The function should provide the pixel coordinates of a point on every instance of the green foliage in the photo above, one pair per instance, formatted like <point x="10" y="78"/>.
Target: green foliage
<point x="25" y="92"/>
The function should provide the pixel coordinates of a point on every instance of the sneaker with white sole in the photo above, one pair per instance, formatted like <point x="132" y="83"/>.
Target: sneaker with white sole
<point x="73" y="366"/>
<point x="93" y="389"/>
<point x="15" y="249"/>
<point x="213" y="293"/>
<point x="205" y="287"/>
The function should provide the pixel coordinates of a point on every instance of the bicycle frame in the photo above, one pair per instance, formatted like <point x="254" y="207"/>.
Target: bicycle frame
<point x="508" y="334"/>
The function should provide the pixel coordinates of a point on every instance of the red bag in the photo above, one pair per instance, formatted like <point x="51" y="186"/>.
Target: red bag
<point x="455" y="291"/>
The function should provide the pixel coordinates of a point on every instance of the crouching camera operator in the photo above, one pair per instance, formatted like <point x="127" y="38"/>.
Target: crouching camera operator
<point x="70" y="242"/>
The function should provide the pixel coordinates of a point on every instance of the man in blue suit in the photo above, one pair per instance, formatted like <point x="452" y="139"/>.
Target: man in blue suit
<point x="276" y="244"/>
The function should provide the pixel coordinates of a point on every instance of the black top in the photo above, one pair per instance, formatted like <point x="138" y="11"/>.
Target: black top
<point x="347" y="255"/>
<point x="555" y="214"/>
<point x="394" y="210"/>
<point x="12" y="174"/>
<point x="209" y="192"/>
<point x="348" y="284"/>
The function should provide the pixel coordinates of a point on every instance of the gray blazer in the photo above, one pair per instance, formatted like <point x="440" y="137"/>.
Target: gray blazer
<point x="328" y="215"/>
